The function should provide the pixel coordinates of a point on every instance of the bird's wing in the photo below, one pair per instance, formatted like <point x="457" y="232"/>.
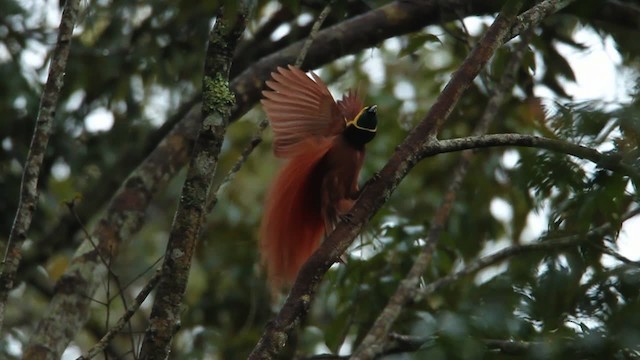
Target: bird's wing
<point x="350" y="105"/>
<point x="299" y="107"/>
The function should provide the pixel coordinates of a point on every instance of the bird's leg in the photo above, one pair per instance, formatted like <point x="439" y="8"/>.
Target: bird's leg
<point x="344" y="208"/>
<point x="373" y="178"/>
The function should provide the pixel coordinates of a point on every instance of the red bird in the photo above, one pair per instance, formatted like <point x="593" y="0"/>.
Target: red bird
<point x="323" y="141"/>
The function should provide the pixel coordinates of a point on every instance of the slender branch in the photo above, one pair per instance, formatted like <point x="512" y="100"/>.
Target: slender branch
<point x="612" y="162"/>
<point x="124" y="320"/>
<point x="217" y="100"/>
<point x="510" y="347"/>
<point x="256" y="139"/>
<point x="535" y="15"/>
<point x="375" y="195"/>
<point x="410" y="343"/>
<point x="501" y="255"/>
<point x="495" y="258"/>
<point x="375" y="341"/>
<point x="313" y="33"/>
<point x="28" y="201"/>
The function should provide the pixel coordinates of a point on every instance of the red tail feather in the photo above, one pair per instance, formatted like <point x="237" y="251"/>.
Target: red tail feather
<point x="292" y="224"/>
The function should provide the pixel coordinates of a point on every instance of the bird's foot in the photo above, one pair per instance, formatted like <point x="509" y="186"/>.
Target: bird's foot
<point x="346" y="218"/>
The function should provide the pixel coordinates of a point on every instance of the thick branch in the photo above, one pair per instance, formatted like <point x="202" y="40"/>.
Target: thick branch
<point x="217" y="103"/>
<point x="29" y="185"/>
<point x="374" y="342"/>
<point x="374" y="195"/>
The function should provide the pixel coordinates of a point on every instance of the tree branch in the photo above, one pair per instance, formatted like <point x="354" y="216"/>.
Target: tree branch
<point x="217" y="103"/>
<point x="68" y="310"/>
<point x="535" y="15"/>
<point x="376" y="339"/>
<point x="375" y="195"/>
<point x="608" y="161"/>
<point x="542" y="245"/>
<point x="44" y="123"/>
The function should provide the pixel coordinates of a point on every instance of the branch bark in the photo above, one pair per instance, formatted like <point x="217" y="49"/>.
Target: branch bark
<point x="375" y="195"/>
<point x="611" y="162"/>
<point x="217" y="103"/>
<point x="29" y="185"/>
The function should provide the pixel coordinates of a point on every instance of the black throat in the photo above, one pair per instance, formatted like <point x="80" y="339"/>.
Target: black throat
<point x="358" y="137"/>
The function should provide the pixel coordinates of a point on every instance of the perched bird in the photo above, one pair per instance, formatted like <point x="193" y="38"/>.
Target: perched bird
<point x="323" y="141"/>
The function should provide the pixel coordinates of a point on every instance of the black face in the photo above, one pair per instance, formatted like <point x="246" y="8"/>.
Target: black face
<point x="363" y="128"/>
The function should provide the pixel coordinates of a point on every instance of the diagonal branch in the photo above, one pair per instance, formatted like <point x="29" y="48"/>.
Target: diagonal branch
<point x="29" y="185"/>
<point x="375" y="341"/>
<point x="185" y="230"/>
<point x="378" y="191"/>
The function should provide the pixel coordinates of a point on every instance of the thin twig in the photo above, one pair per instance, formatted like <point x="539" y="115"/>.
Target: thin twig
<point x="125" y="319"/>
<point x="313" y="33"/>
<point x="256" y="139"/>
<point x="107" y="263"/>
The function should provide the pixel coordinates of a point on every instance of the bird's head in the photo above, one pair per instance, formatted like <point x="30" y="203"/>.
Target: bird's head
<point x="362" y="128"/>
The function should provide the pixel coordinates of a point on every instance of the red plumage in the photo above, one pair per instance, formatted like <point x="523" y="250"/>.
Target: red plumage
<point x="319" y="181"/>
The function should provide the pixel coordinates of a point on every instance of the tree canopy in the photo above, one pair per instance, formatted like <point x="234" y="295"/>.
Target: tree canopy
<point x="493" y="200"/>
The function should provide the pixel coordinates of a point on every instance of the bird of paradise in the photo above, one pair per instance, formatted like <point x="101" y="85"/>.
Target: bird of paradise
<point x="324" y="144"/>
